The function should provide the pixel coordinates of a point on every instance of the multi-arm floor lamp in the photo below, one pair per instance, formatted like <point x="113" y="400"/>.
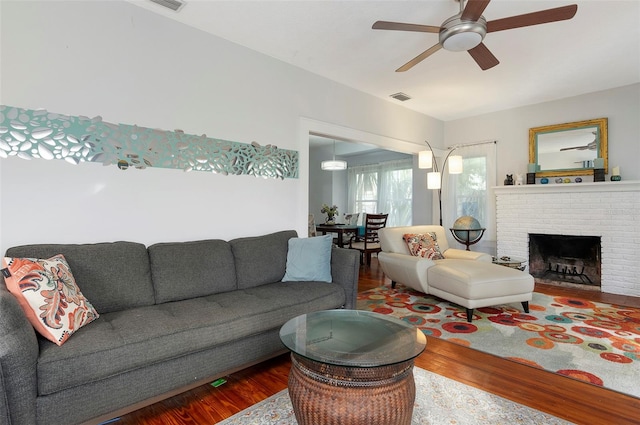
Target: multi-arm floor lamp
<point x="426" y="159"/>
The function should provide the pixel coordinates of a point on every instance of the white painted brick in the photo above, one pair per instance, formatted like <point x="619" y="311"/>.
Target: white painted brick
<point x="608" y="210"/>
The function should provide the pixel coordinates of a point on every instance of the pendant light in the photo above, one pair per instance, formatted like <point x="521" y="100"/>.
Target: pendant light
<point x="334" y="164"/>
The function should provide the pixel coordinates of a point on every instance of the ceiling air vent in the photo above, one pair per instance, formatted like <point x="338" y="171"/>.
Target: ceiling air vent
<point x="401" y="96"/>
<point x="174" y="5"/>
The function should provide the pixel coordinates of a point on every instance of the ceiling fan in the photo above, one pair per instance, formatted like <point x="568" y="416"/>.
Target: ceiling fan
<point x="466" y="30"/>
<point x="590" y="146"/>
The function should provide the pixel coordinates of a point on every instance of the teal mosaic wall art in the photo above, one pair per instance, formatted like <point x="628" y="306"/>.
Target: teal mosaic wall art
<point x="30" y="134"/>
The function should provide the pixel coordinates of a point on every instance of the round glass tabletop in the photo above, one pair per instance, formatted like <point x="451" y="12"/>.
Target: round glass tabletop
<point x="352" y="338"/>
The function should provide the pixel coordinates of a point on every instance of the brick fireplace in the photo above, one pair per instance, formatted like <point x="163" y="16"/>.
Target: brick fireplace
<point x="609" y="211"/>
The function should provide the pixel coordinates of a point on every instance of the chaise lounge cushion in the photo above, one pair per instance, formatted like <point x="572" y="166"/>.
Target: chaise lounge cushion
<point x="474" y="284"/>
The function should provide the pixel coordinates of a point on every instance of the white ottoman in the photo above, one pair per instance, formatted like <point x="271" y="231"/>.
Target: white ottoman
<point x="475" y="284"/>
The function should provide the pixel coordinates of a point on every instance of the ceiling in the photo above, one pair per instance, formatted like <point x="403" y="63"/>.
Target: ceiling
<point x="596" y="50"/>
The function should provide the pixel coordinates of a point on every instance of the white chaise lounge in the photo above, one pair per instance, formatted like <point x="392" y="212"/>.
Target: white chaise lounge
<point x="466" y="278"/>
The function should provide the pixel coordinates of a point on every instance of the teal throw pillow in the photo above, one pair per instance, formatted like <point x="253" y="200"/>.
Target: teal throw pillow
<point x="309" y="259"/>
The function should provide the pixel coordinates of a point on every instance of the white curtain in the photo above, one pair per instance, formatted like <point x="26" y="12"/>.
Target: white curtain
<point x="384" y="188"/>
<point x="470" y="193"/>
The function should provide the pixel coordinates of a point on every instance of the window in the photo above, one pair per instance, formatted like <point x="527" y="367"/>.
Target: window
<point x="471" y="189"/>
<point x="383" y="188"/>
<point x="469" y="193"/>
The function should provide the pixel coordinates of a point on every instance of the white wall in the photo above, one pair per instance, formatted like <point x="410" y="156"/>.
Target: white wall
<point x="511" y="129"/>
<point x="132" y="66"/>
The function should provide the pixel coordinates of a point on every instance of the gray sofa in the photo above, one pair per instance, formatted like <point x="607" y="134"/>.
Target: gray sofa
<point x="172" y="316"/>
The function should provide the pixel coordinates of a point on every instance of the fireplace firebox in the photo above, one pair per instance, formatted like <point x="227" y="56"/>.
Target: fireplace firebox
<point x="565" y="259"/>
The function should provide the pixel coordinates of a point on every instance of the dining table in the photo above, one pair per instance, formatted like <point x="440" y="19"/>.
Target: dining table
<point x="340" y="229"/>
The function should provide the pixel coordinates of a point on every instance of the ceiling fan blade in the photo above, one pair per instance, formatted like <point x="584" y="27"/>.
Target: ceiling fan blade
<point x="473" y="10"/>
<point x="422" y="56"/>
<point x="535" y="18"/>
<point x="483" y="57"/>
<point x="399" y="26"/>
<point x="590" y="146"/>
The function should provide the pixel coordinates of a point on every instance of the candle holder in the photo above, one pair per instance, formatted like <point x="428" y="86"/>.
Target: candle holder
<point x="531" y="178"/>
<point x="598" y="174"/>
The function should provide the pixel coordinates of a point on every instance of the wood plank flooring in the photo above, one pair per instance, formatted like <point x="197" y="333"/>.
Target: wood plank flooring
<point x="566" y="398"/>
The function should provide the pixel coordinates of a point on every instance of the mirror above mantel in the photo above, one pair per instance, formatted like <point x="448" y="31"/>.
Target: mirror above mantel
<point x="568" y="149"/>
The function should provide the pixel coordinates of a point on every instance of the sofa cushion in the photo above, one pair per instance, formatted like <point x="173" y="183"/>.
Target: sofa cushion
<point x="423" y="245"/>
<point x="309" y="259"/>
<point x="114" y="275"/>
<point x="127" y="340"/>
<point x="183" y="270"/>
<point x="48" y="295"/>
<point x="261" y="259"/>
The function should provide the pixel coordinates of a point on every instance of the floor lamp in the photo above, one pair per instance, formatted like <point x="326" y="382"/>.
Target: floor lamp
<point x="426" y="159"/>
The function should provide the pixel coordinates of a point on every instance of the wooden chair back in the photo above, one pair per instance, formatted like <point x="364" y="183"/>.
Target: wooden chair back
<point x="369" y="242"/>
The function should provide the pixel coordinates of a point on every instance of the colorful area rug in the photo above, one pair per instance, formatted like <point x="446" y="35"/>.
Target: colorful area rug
<point x="439" y="401"/>
<point x="593" y="342"/>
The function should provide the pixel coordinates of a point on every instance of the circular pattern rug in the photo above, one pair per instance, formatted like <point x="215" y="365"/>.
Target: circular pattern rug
<point x="593" y="342"/>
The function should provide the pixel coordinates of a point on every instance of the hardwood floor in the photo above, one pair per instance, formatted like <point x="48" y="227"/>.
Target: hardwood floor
<point x="566" y="398"/>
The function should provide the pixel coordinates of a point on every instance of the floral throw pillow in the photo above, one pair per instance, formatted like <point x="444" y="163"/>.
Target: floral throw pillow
<point x="49" y="296"/>
<point x="423" y="245"/>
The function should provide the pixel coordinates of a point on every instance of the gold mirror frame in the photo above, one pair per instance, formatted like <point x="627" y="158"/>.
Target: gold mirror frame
<point x="600" y="124"/>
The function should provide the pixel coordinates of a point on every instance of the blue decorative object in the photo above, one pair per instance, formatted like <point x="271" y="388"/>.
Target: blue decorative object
<point x="578" y="179"/>
<point x="616" y="178"/>
<point x="40" y="134"/>
<point x="309" y="259"/>
<point x="544" y="180"/>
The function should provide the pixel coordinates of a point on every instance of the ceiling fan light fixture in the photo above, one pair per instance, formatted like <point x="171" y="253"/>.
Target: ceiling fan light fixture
<point x="457" y="35"/>
<point x="462" y="41"/>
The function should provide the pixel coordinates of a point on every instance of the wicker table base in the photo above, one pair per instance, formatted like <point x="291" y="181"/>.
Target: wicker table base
<point x="324" y="394"/>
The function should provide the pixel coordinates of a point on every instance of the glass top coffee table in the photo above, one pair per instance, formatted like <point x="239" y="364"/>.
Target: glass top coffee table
<point x="351" y="367"/>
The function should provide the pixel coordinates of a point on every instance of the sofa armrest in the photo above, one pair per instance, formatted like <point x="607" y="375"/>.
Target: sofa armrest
<point x="345" y="268"/>
<point x="460" y="254"/>
<point x="18" y="358"/>
<point x="409" y="270"/>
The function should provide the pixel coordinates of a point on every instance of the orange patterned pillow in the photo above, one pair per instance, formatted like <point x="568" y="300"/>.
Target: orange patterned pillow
<point x="49" y="296"/>
<point x="423" y="245"/>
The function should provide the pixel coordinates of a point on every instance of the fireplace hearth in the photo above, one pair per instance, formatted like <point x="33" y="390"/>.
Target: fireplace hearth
<point x="565" y="259"/>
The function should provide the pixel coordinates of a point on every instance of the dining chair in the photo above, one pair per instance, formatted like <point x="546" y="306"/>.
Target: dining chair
<point x="369" y="242"/>
<point x="351" y="219"/>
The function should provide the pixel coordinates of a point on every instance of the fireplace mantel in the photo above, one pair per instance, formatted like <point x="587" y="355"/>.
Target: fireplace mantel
<point x="610" y="210"/>
<point x="621" y="186"/>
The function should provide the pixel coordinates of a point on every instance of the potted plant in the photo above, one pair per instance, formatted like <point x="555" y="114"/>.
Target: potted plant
<point x="331" y="213"/>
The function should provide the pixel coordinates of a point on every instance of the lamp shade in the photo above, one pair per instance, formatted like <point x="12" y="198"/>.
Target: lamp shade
<point x="433" y="180"/>
<point x="455" y="164"/>
<point x="334" y="165"/>
<point x="425" y="159"/>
